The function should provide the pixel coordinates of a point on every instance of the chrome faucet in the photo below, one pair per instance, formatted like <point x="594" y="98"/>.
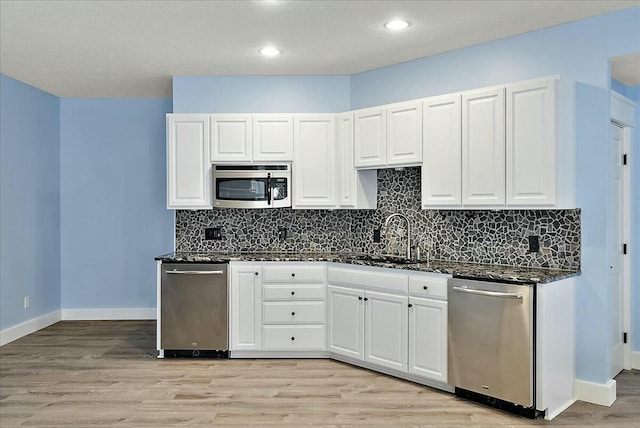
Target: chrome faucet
<point x="402" y="216"/>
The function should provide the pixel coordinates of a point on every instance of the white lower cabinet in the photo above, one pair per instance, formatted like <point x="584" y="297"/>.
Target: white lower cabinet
<point x="368" y="326"/>
<point x="346" y="322"/>
<point x="428" y="338"/>
<point x="246" y="308"/>
<point x="293" y="337"/>
<point x="385" y="329"/>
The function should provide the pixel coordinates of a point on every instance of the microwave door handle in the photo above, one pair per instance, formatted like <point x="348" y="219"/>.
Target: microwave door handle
<point x="269" y="189"/>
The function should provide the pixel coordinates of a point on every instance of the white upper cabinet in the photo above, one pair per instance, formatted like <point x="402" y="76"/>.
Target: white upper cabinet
<point x="370" y="138"/>
<point x="346" y="172"/>
<point x="404" y="133"/>
<point x="231" y="138"/>
<point x="441" y="167"/>
<point x="531" y="143"/>
<point x="389" y="136"/>
<point x="355" y="189"/>
<point x="188" y="161"/>
<point x="483" y="147"/>
<point x="314" y="171"/>
<point x="272" y="137"/>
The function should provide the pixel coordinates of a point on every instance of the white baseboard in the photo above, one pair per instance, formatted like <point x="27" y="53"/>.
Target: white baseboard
<point x="635" y="360"/>
<point x="16" y="332"/>
<point x="108" y="314"/>
<point x="603" y="394"/>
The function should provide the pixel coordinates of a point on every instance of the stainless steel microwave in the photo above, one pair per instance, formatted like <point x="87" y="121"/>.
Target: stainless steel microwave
<point x="252" y="186"/>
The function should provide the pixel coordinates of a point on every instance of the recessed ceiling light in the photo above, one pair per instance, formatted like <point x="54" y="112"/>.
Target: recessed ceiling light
<point x="270" y="51"/>
<point x="396" y="24"/>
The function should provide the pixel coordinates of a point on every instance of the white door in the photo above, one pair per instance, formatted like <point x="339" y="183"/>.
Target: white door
<point x="314" y="169"/>
<point x="346" y="317"/>
<point x="404" y="133"/>
<point x="246" y="308"/>
<point x="531" y="143"/>
<point x="346" y="172"/>
<point x="231" y="138"/>
<point x="441" y="165"/>
<point x="273" y="137"/>
<point x="386" y="326"/>
<point x="188" y="161"/>
<point x="616" y="241"/>
<point x="428" y="338"/>
<point x="370" y="138"/>
<point x="483" y="169"/>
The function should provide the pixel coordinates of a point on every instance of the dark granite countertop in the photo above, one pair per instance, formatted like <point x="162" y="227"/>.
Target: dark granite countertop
<point x="467" y="270"/>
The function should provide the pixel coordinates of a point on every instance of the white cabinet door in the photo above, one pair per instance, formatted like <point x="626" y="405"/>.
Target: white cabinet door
<point x="531" y="143"/>
<point x="428" y="338"/>
<point x="346" y="316"/>
<point x="314" y="169"/>
<point x="404" y="133"/>
<point x="246" y="308"/>
<point x="386" y="330"/>
<point x="272" y="137"/>
<point x="231" y="138"/>
<point x="346" y="172"/>
<point x="441" y="166"/>
<point x="370" y="138"/>
<point x="188" y="161"/>
<point x="483" y="148"/>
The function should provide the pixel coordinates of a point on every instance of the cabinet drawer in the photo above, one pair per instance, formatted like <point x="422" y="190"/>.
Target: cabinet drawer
<point x="293" y="273"/>
<point x="428" y="286"/>
<point x="293" y="337"/>
<point x="293" y="292"/>
<point x="293" y="312"/>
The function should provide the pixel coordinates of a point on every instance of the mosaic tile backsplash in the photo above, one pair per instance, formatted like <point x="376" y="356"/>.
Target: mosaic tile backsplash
<point x="495" y="237"/>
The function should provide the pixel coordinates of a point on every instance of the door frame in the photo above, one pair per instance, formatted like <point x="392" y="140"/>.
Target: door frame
<point x="622" y="114"/>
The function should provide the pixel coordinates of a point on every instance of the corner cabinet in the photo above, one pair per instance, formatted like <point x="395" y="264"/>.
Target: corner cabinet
<point x="188" y="162"/>
<point x="389" y="136"/>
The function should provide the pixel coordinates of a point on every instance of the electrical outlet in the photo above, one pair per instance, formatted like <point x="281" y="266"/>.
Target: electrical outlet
<point x="282" y="233"/>
<point x="376" y="235"/>
<point x="27" y="302"/>
<point x="534" y="243"/>
<point x="213" y="233"/>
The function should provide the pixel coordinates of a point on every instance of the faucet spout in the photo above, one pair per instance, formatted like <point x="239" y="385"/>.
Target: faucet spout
<point x="405" y="218"/>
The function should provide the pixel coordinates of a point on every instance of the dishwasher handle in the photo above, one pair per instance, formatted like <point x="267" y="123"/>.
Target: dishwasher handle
<point x="195" y="272"/>
<point x="465" y="289"/>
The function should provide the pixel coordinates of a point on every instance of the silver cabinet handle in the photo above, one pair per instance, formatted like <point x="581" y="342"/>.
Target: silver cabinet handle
<point x="196" y="272"/>
<point x="488" y="293"/>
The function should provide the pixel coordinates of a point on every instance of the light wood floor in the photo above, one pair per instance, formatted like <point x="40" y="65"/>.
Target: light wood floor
<point x="105" y="373"/>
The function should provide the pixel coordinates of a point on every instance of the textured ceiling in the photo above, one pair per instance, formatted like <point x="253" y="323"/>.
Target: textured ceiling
<point x="132" y="48"/>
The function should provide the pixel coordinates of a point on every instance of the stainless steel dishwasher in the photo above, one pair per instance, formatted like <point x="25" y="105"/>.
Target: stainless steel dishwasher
<point x="194" y="310"/>
<point x="491" y="343"/>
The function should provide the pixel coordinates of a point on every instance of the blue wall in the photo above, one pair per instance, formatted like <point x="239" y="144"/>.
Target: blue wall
<point x="261" y="94"/>
<point x="29" y="202"/>
<point x="113" y="201"/>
